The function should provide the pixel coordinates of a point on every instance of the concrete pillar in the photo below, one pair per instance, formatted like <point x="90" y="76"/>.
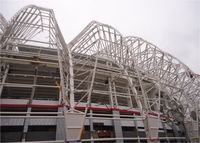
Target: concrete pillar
<point x="60" y="127"/>
<point x="91" y="126"/>
<point x="3" y="78"/>
<point x="26" y="123"/>
<point x="151" y="125"/>
<point x="27" y="120"/>
<point x="136" y="126"/>
<point x="117" y="127"/>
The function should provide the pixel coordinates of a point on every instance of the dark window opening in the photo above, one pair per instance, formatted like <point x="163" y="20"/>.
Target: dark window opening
<point x="101" y="131"/>
<point x="11" y="133"/>
<point x="129" y="132"/>
<point x="41" y="133"/>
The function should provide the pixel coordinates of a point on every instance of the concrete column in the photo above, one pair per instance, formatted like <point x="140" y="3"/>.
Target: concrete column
<point x="27" y="120"/>
<point x="26" y="123"/>
<point x="136" y="126"/>
<point x="129" y="100"/>
<point x="117" y="127"/>
<point x="91" y="126"/>
<point x="3" y="78"/>
<point x="60" y="127"/>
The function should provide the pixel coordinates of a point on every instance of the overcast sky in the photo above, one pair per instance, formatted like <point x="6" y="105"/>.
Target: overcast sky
<point x="172" y="25"/>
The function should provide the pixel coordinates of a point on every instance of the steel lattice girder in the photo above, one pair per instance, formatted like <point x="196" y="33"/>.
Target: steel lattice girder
<point x="137" y="61"/>
<point x="38" y="26"/>
<point x="33" y="25"/>
<point x="131" y="52"/>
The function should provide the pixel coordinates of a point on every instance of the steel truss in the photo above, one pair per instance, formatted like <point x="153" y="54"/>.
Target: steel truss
<point x="35" y="26"/>
<point x="141" y="58"/>
<point x="101" y="67"/>
<point x="139" y="61"/>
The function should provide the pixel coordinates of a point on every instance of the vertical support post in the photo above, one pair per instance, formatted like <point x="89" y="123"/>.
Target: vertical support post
<point x="91" y="126"/>
<point x="34" y="83"/>
<point x="65" y="121"/>
<point x="116" y="123"/>
<point x="159" y="92"/>
<point x="130" y="82"/>
<point x="91" y="86"/>
<point x="136" y="126"/>
<point x="115" y="95"/>
<point x="60" y="96"/>
<point x="63" y="97"/>
<point x="60" y="131"/>
<point x="26" y="123"/>
<point x="71" y="80"/>
<point x="27" y="120"/>
<point x="146" y="107"/>
<point x="89" y="99"/>
<point x="63" y="87"/>
<point x="129" y="100"/>
<point x="4" y="79"/>
<point x="117" y="127"/>
<point x="151" y="125"/>
<point x="110" y="90"/>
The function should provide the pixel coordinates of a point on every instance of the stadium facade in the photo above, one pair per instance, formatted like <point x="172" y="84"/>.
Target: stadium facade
<point x="100" y="87"/>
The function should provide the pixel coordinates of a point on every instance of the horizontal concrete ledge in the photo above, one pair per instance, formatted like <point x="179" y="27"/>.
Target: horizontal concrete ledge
<point x="107" y="139"/>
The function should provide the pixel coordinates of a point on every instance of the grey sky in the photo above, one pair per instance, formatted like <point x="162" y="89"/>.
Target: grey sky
<point x="172" y="25"/>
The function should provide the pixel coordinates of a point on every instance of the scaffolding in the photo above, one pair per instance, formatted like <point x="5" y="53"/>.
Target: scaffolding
<point x="100" y="87"/>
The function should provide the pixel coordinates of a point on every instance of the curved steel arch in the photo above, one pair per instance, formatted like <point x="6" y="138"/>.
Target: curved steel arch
<point x="138" y="63"/>
<point x="93" y="27"/>
<point x="94" y="32"/>
<point x="101" y="39"/>
<point x="136" y="53"/>
<point x="28" y="23"/>
<point x="34" y="25"/>
<point x="182" y="83"/>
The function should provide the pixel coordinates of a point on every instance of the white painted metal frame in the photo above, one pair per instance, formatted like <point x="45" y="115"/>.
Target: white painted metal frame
<point x="155" y="79"/>
<point x="181" y="84"/>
